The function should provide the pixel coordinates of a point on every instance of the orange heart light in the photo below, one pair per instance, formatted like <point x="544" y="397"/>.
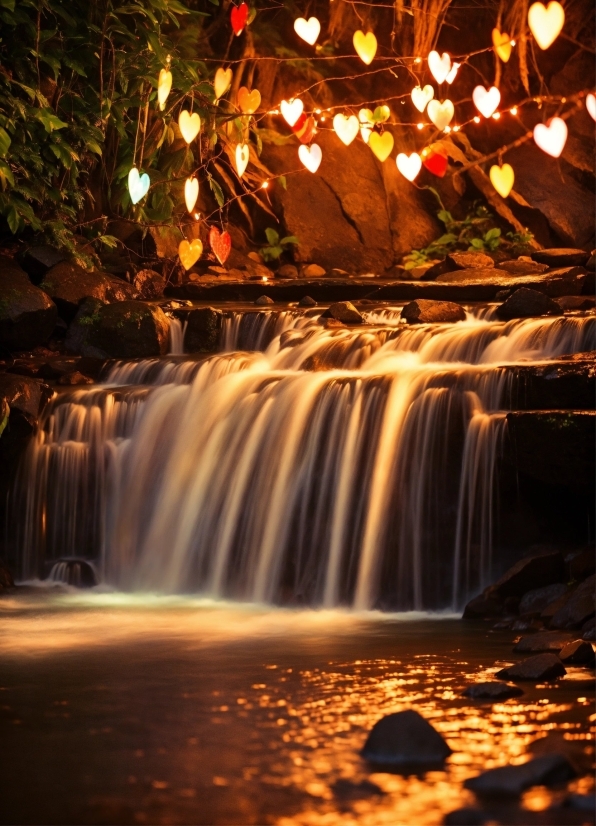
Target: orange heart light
<point x="305" y="128"/>
<point x="311" y="156"/>
<point x="551" y="137"/>
<point x="439" y="65"/>
<point x="191" y="193"/>
<point x="591" y="105"/>
<point x="346" y="128"/>
<point x="242" y="158"/>
<point x="502" y="45"/>
<point x="308" y="30"/>
<point x="248" y="102"/>
<point x="291" y="110"/>
<point x="381" y="145"/>
<point x="190" y="125"/>
<point x="221" y="244"/>
<point x="546" y="22"/>
<point x="486" y="101"/>
<point x="189" y="253"/>
<point x="222" y="81"/>
<point x="440" y="113"/>
<point x="409" y="166"/>
<point x="502" y="178"/>
<point x="422" y="97"/>
<point x="366" y="46"/>
<point x="164" y="85"/>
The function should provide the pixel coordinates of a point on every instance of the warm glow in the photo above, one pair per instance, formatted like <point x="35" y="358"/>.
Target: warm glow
<point x="242" y="157"/>
<point x="441" y="114"/>
<point x="546" y="22"/>
<point x="307" y="29"/>
<point x="190" y="125"/>
<point x="453" y="73"/>
<point x="496" y="116"/>
<point x="502" y="44"/>
<point x="346" y="128"/>
<point x="248" y="102"/>
<point x="421" y="97"/>
<point x="222" y="81"/>
<point x="164" y="85"/>
<point x="291" y="110"/>
<point x="311" y="156"/>
<point x="409" y="166"/>
<point x="439" y="66"/>
<point x="381" y="145"/>
<point x="502" y="178"/>
<point x="138" y="185"/>
<point x="366" y="46"/>
<point x="189" y="253"/>
<point x="552" y="136"/>
<point x="476" y="119"/>
<point x="265" y="185"/>
<point x="486" y="101"/>
<point x="513" y="110"/>
<point x="591" y="105"/>
<point x="191" y="193"/>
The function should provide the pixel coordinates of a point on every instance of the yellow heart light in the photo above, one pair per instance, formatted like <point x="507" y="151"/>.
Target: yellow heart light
<point x="191" y="193"/>
<point x="551" y="137"/>
<point x="422" y="97"/>
<point x="591" y="105"/>
<point x="164" y="85"/>
<point x="248" y="102"/>
<point x="190" y="125"/>
<point x="242" y="158"/>
<point x="502" y="45"/>
<point x="222" y="81"/>
<point x="409" y="166"/>
<point x="366" y="46"/>
<point x="381" y="145"/>
<point x="439" y="65"/>
<point x="189" y="253"/>
<point x="546" y="22"/>
<point x="291" y="110"/>
<point x="441" y="114"/>
<point x="346" y="128"/>
<point x="311" y="156"/>
<point x="308" y="30"/>
<point x="486" y="101"/>
<point x="502" y="178"/>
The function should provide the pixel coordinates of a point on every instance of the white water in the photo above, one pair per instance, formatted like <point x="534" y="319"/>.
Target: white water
<point x="338" y="467"/>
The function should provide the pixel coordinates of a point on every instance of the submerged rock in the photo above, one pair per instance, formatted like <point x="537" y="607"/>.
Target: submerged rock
<point x="68" y="284"/>
<point x="345" y="312"/>
<point x="405" y="738"/>
<point x="203" y="330"/>
<point x="27" y="314"/>
<point x="543" y="641"/>
<point x="548" y="770"/>
<point x="345" y="789"/>
<point x="493" y="690"/>
<point x="73" y="378"/>
<point x="74" y="571"/>
<point x="577" y="652"/>
<point x="575" y="302"/>
<point x="561" y="257"/>
<point x="427" y="311"/>
<point x="522" y="266"/>
<point x="539" y="667"/>
<point x="525" y="303"/>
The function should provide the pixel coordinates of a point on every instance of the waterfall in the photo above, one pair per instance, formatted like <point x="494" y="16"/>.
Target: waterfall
<point x="350" y="466"/>
<point x="177" y="331"/>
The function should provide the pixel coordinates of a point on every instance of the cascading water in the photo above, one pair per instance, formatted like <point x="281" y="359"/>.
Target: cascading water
<point x="335" y="467"/>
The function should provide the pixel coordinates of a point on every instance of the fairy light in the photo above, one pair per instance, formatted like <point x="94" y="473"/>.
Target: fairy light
<point x="197" y="216"/>
<point x="265" y="278"/>
<point x="418" y="60"/>
<point x="512" y="42"/>
<point x="317" y="111"/>
<point x="476" y="119"/>
<point x="447" y="130"/>
<point x="420" y="126"/>
<point x="265" y="185"/>
<point x="513" y="110"/>
<point x="496" y="116"/>
<point x="456" y="128"/>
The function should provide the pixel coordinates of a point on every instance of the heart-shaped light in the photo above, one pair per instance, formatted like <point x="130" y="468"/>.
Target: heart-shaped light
<point x="164" y="85"/>
<point x="190" y="253"/>
<point x="502" y="45"/>
<point x="409" y="166"/>
<point x="552" y="136"/>
<point x="591" y="105"/>
<point x="546" y="22"/>
<point x="221" y="82"/>
<point x="365" y="116"/>
<point x="191" y="193"/>
<point x="248" y="102"/>
<point x="365" y="133"/>
<point x="291" y="110"/>
<point x="238" y="17"/>
<point x="242" y="158"/>
<point x="346" y="128"/>
<point x="452" y="73"/>
<point x="190" y="125"/>
<point x="308" y="30"/>
<point x="305" y="128"/>
<point x="421" y="97"/>
<point x="434" y="158"/>
<point x="502" y="178"/>
<point x="311" y="156"/>
<point x="441" y="114"/>
<point x="439" y="65"/>
<point x="381" y="145"/>
<point x="381" y="114"/>
<point x="138" y="185"/>
<point x="366" y="46"/>
<point x="220" y="243"/>
<point x="486" y="101"/>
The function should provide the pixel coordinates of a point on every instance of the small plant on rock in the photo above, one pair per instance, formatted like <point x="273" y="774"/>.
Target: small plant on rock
<point x="276" y="246"/>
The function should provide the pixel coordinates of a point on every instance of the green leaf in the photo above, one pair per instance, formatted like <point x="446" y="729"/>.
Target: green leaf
<point x="283" y="181"/>
<point x="13" y="220"/>
<point x="289" y="239"/>
<point x="6" y="176"/>
<point x="272" y="236"/>
<point x="4" y="142"/>
<point x="444" y="216"/>
<point x="217" y="191"/>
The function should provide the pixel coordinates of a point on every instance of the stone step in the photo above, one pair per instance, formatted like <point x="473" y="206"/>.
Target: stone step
<point x="564" y="384"/>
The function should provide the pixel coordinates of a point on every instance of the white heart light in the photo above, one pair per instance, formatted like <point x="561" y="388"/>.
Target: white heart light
<point x="591" y="105"/>
<point x="164" y="85"/>
<point x="552" y="136"/>
<point x="311" y="156"/>
<point x="346" y="128"/>
<point x="439" y="65"/>
<point x="138" y="185"/>
<point x="409" y="166"/>
<point x="365" y="133"/>
<point x="486" y="101"/>
<point x="441" y="114"/>
<point x="452" y="73"/>
<point x="421" y="97"/>
<point x="191" y="193"/>
<point x="222" y="81"/>
<point x="190" y="125"/>
<point x="546" y="22"/>
<point x="242" y="156"/>
<point x="308" y="30"/>
<point x="291" y="110"/>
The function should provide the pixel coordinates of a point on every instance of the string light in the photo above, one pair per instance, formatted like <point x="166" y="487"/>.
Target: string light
<point x="420" y="126"/>
<point x="496" y="116"/>
<point x="265" y="185"/>
<point x="476" y="119"/>
<point x="513" y="110"/>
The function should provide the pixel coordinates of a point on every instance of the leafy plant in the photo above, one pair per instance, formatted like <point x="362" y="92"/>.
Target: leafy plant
<point x="276" y="246"/>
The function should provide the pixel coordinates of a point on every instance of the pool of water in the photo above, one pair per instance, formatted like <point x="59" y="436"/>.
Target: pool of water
<point x="122" y="709"/>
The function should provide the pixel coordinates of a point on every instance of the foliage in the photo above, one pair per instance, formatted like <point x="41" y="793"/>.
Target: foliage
<point x="276" y="246"/>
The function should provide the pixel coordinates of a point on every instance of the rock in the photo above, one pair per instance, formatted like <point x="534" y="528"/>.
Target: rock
<point x="468" y="261"/>
<point x="537" y="668"/>
<point x="345" y="789"/>
<point x="524" y="303"/>
<point x="502" y="295"/>
<point x="307" y="301"/>
<point x="530" y="572"/>
<point x="494" y="690"/>
<point x="582" y="564"/>
<point x="149" y="284"/>
<point x="405" y="738"/>
<point x="575" y="302"/>
<point x="578" y="608"/>
<point x="484" y="605"/>
<point x="577" y="652"/>
<point x="549" y="770"/>
<point x="36" y="261"/>
<point x="74" y="378"/>
<point x="68" y="284"/>
<point x="424" y="272"/>
<point x="522" y="267"/>
<point x="27" y="315"/>
<point x="74" y="571"/>
<point x="543" y="641"/>
<point x="263" y="301"/>
<point x="6" y="578"/>
<point x="591" y="263"/>
<point x="474" y="275"/>
<point x="589" y="631"/>
<point x="329" y="323"/>
<point x="24" y="399"/>
<point x="527" y="625"/>
<point x="345" y="312"/>
<point x="127" y="329"/>
<point x="313" y="271"/>
<point x="467" y="816"/>
<point x="535" y="601"/>
<point x="203" y="330"/>
<point x="582" y="802"/>
<point x="287" y="271"/>
<point x="561" y="257"/>
<point x="166" y="239"/>
<point x="426" y="311"/>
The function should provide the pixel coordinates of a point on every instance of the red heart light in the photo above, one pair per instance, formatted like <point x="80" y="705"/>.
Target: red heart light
<point x="435" y="160"/>
<point x="304" y="128"/>
<point x="220" y="243"/>
<point x="238" y="17"/>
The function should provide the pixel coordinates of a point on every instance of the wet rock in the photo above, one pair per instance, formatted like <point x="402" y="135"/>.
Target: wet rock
<point x="307" y="301"/>
<point x="6" y="578"/>
<point x="561" y="257"/>
<point x="565" y="384"/>
<point x="533" y="571"/>
<point x="149" y="284"/>
<point x="582" y="564"/>
<point x="502" y="295"/>
<point x="313" y="271"/>
<point x="74" y="378"/>
<point x="68" y="284"/>
<point x="36" y="261"/>
<point x="264" y="301"/>
<point x="525" y="303"/>
<point x="578" y="608"/>
<point x="578" y="652"/>
<point x="475" y="275"/>
<point x="527" y="625"/>
<point x="468" y="261"/>
<point x="523" y="266"/>
<point x="287" y="271"/>
<point x="426" y="272"/>
<point x="582" y="802"/>
<point x="493" y="690"/>
<point x="537" y="668"/>
<point x="467" y="817"/>
<point x="548" y="770"/>
<point x="405" y="738"/>
<point x="127" y="329"/>
<point x="74" y="571"/>
<point x="484" y="605"/>
<point x="24" y="398"/>
<point x="535" y="601"/>
<point x="345" y="789"/>
<point x="331" y="323"/>
<point x="589" y="631"/>
<point x="427" y="311"/>
<point x="575" y="302"/>
<point x="203" y="330"/>
<point x="345" y="312"/>
<point x="543" y="641"/>
<point x="27" y="314"/>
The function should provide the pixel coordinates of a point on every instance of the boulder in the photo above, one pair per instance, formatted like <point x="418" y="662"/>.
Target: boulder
<point x="36" y="261"/>
<point x="561" y="257"/>
<point x="345" y="312"/>
<point x="493" y="690"/>
<point x="525" y="303"/>
<point x="74" y="571"/>
<point x="24" y="399"/>
<point x="542" y="641"/>
<point x="582" y="564"/>
<point x="579" y="607"/>
<point x="484" y="605"/>
<point x="578" y="652"/>
<point x="534" y="571"/>
<point x="6" y="578"/>
<point x="535" y="669"/>
<point x="405" y="738"/>
<point x="589" y="630"/>
<point x="468" y="261"/>
<point x="522" y="266"/>
<point x="287" y="271"/>
<point x="535" y="601"/>
<point x="27" y="314"/>
<point x="571" y="303"/>
<point x="68" y="284"/>
<point x="549" y="770"/>
<point x="149" y="284"/>
<point x="427" y="311"/>
<point x="203" y="330"/>
<point x="264" y="301"/>
<point x="74" y="378"/>
<point x="127" y="329"/>
<point x="312" y="271"/>
<point x="307" y="301"/>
